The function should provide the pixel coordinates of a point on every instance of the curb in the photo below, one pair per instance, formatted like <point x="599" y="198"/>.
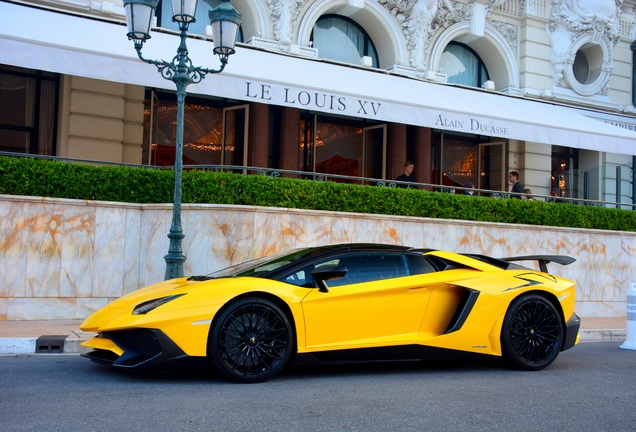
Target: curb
<point x="17" y="345"/>
<point x="27" y="345"/>
<point x="20" y="346"/>
<point x="603" y="335"/>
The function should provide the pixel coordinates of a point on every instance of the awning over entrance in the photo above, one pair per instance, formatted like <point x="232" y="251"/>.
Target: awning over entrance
<point x="100" y="50"/>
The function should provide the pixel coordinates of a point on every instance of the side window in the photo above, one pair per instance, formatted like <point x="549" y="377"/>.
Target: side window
<point x="420" y="265"/>
<point x="369" y="266"/>
<point x="300" y="278"/>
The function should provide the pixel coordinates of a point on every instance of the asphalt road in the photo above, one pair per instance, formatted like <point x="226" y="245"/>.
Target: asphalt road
<point x="589" y="388"/>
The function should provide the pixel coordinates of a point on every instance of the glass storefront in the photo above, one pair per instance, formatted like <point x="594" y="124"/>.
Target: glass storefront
<point x="459" y="161"/>
<point x="212" y="135"/>
<point x="342" y="147"/>
<point x="565" y="172"/>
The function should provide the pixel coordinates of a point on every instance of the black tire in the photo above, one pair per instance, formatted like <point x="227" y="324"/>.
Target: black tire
<point x="250" y="341"/>
<point x="532" y="333"/>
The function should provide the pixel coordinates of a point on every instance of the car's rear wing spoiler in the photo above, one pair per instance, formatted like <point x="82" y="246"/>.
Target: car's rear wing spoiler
<point x="543" y="260"/>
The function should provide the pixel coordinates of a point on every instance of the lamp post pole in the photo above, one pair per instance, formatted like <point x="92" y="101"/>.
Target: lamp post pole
<point x="175" y="257"/>
<point x="225" y="21"/>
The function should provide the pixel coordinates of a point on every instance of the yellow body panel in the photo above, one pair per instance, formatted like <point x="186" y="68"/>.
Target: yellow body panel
<point x="104" y="344"/>
<point x="371" y="314"/>
<point x="365" y="314"/>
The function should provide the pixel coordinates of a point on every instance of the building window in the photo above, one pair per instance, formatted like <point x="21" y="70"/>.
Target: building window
<point x="565" y="172"/>
<point x="588" y="63"/>
<point x="202" y="18"/>
<point x="336" y="146"/>
<point x="212" y="134"/>
<point x="28" y="111"/>
<point x="581" y="67"/>
<point x="462" y="65"/>
<point x="460" y="159"/>
<point x="341" y="39"/>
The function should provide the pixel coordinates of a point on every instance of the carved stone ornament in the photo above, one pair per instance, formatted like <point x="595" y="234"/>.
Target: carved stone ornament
<point x="419" y="21"/>
<point x="509" y="32"/>
<point x="284" y="16"/>
<point x="578" y="16"/>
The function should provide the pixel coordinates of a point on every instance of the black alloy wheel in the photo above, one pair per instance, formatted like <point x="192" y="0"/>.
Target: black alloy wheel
<point x="251" y="340"/>
<point x="532" y="333"/>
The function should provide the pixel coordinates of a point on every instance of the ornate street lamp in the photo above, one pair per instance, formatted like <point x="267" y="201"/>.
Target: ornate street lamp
<point x="225" y="22"/>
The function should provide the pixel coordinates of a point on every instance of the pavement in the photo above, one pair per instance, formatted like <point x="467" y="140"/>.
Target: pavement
<point x="65" y="336"/>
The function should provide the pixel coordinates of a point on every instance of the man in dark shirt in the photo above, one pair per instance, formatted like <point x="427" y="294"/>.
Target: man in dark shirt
<point x="408" y="175"/>
<point x="517" y="187"/>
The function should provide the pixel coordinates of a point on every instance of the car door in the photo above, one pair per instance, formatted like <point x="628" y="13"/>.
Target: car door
<point x="376" y="303"/>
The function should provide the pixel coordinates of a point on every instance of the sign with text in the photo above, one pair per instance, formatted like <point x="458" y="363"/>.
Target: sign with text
<point x="311" y="100"/>
<point x="357" y="107"/>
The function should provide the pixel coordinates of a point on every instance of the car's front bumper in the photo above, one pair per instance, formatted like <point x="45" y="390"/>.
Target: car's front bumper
<point x="136" y="348"/>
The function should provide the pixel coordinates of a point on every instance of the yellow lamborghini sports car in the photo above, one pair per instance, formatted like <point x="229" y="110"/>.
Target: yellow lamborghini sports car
<point x="342" y="303"/>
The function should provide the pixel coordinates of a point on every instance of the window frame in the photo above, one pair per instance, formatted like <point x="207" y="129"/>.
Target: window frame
<point x="368" y="42"/>
<point x="481" y="65"/>
<point x="166" y="22"/>
<point x="35" y="146"/>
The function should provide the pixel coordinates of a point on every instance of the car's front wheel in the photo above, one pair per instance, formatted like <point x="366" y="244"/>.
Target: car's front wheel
<point x="250" y="341"/>
<point x="532" y="333"/>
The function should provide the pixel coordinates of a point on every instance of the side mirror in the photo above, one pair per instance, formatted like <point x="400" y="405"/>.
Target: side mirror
<point x="327" y="273"/>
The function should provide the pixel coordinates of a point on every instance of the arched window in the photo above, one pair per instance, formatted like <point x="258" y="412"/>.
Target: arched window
<point x="164" y="17"/>
<point x="462" y="65"/>
<point x="341" y="39"/>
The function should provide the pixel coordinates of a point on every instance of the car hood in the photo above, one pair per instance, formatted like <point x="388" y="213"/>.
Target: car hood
<point x="201" y="294"/>
<point x="119" y="312"/>
<point x="158" y="290"/>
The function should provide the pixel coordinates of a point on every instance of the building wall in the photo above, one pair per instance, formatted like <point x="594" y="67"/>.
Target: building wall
<point x="534" y="47"/>
<point x="63" y="259"/>
<point x="101" y="120"/>
<point x="538" y="160"/>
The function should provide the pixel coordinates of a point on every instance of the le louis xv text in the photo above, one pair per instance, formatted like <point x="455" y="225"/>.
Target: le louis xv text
<point x="311" y="100"/>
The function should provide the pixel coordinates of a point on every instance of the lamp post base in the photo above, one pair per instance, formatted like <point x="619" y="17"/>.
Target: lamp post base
<point x="175" y="257"/>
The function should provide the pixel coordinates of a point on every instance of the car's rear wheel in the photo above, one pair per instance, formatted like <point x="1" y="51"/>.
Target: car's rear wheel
<point x="532" y="333"/>
<point x="251" y="340"/>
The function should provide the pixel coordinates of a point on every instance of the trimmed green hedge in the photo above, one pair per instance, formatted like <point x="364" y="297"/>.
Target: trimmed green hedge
<point x="36" y="177"/>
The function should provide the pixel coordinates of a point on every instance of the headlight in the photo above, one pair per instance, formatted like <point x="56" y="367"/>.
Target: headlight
<point x="145" y="307"/>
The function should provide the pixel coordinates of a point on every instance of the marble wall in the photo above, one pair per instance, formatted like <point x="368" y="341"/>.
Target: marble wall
<point x="63" y="259"/>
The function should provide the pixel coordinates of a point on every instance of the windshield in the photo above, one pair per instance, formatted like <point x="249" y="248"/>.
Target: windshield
<point x="260" y="266"/>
